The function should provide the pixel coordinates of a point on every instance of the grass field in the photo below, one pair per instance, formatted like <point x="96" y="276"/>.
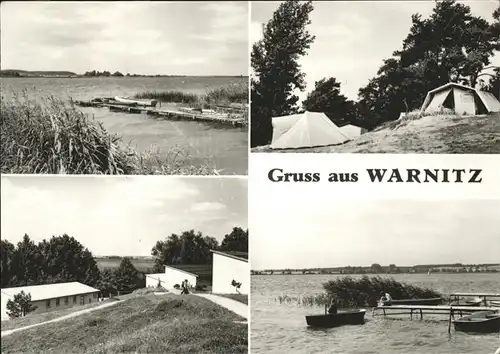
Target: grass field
<point x="34" y="318"/>
<point x="153" y="324"/>
<point x="237" y="297"/>
<point x="142" y="265"/>
<point x="439" y="134"/>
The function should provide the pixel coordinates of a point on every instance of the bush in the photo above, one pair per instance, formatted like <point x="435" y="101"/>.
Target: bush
<point x="56" y="138"/>
<point x="233" y="93"/>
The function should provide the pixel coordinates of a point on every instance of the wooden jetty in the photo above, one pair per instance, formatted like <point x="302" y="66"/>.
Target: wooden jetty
<point x="430" y="309"/>
<point x="170" y="114"/>
<point x="484" y="296"/>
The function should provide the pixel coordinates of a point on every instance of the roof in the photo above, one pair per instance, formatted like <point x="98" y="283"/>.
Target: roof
<point x="180" y="270"/>
<point x="240" y="256"/>
<point x="450" y="84"/>
<point x="51" y="291"/>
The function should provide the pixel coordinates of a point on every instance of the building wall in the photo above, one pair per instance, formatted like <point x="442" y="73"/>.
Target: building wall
<point x="174" y="276"/>
<point x="42" y="304"/>
<point x="169" y="279"/>
<point x="225" y="270"/>
<point x="152" y="280"/>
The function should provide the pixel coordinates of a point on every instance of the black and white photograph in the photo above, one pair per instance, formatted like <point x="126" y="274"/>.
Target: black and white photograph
<point x="375" y="77"/>
<point x="137" y="264"/>
<point x="368" y="275"/>
<point x="124" y="87"/>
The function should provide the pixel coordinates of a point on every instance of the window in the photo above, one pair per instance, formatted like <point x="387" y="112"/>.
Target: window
<point x="66" y="300"/>
<point x="47" y="303"/>
<point x="90" y="300"/>
<point x="74" y="299"/>
<point x="57" y="302"/>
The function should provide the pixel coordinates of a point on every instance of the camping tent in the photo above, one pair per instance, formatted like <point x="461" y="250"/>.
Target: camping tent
<point x="462" y="99"/>
<point x="306" y="129"/>
<point x="352" y="131"/>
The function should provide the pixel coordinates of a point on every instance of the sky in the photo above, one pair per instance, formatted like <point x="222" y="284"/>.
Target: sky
<point x="360" y="232"/>
<point x="353" y="38"/>
<point x="190" y="38"/>
<point x="122" y="216"/>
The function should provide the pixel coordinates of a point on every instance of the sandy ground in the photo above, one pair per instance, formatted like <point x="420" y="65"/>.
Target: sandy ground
<point x="237" y="307"/>
<point x="71" y="315"/>
<point x="428" y="135"/>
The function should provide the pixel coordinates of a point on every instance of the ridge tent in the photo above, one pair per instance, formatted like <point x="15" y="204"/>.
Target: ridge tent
<point x="352" y="131"/>
<point x="460" y="98"/>
<point x="308" y="129"/>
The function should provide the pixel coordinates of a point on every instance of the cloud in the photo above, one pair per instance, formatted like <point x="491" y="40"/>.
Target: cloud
<point x="208" y="206"/>
<point x="139" y="37"/>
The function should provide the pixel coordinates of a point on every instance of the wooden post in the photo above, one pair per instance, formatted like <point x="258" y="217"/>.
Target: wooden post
<point x="449" y="321"/>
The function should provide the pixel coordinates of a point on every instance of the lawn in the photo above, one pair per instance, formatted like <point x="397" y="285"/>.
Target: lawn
<point x="237" y="297"/>
<point x="154" y="324"/>
<point x="439" y="134"/>
<point x="34" y="318"/>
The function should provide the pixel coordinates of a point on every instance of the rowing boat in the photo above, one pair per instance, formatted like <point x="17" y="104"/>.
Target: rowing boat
<point x="428" y="301"/>
<point x="471" y="303"/>
<point x="354" y="317"/>
<point x="146" y="103"/>
<point x="479" y="322"/>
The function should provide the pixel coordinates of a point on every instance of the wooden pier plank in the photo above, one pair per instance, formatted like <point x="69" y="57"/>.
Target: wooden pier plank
<point x="445" y="308"/>
<point x="477" y="294"/>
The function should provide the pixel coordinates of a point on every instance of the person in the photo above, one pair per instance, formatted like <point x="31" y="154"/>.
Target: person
<point x="385" y="298"/>
<point x="333" y="307"/>
<point x="185" y="289"/>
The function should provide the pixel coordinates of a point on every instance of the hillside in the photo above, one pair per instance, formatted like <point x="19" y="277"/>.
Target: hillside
<point x="154" y="324"/>
<point x="440" y="134"/>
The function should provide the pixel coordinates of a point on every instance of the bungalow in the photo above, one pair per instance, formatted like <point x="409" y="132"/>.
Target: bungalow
<point x="230" y="269"/>
<point x="49" y="297"/>
<point x="170" y="278"/>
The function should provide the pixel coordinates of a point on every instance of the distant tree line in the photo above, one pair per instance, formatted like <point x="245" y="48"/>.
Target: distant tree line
<point x="105" y="73"/>
<point x="452" y="45"/>
<point x="64" y="259"/>
<point x="376" y="268"/>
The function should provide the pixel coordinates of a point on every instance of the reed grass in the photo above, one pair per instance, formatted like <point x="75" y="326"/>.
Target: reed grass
<point x="53" y="137"/>
<point x="233" y="93"/>
<point x="359" y="292"/>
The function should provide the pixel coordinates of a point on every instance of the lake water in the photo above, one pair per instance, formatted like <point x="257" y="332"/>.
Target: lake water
<point x="224" y="147"/>
<point x="281" y="328"/>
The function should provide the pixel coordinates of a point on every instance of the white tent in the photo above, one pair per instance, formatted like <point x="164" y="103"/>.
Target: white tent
<point x="306" y="129"/>
<point x="352" y="131"/>
<point x="461" y="99"/>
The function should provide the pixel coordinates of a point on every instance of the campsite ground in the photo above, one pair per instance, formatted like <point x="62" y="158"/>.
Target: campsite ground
<point x="149" y="323"/>
<point x="441" y="134"/>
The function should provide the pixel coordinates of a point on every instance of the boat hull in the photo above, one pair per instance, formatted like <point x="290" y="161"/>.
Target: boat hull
<point x="127" y="101"/>
<point x="480" y="322"/>
<point x="355" y="317"/>
<point x="430" y="301"/>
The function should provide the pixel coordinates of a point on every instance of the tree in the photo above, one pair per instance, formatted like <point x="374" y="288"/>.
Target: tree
<point x="7" y="251"/>
<point x="274" y="60"/>
<point x="66" y="260"/>
<point x="20" y="306"/>
<point x="237" y="240"/>
<point x="451" y="45"/>
<point x="376" y="268"/>
<point x="326" y="97"/>
<point x="117" y="73"/>
<point x="188" y="248"/>
<point x="26" y="263"/>
<point x="126" y="276"/>
<point x="494" y="84"/>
